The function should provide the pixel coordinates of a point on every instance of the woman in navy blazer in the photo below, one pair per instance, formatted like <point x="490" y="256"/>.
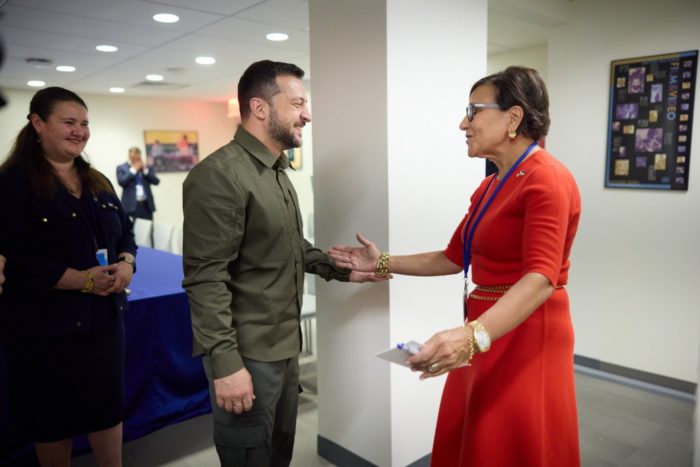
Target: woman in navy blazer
<point x="70" y="254"/>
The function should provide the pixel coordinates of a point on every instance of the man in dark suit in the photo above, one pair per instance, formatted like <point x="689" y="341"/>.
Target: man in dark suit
<point x="136" y="179"/>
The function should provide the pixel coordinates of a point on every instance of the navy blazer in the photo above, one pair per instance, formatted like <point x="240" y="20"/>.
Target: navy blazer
<point x="127" y="181"/>
<point x="41" y="239"/>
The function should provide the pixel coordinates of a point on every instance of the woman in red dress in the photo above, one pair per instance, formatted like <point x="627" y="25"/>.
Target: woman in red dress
<point x="509" y="398"/>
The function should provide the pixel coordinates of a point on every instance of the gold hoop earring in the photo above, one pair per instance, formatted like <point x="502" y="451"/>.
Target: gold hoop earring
<point x="512" y="135"/>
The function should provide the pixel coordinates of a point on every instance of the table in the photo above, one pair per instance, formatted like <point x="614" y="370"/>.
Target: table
<point x="164" y="384"/>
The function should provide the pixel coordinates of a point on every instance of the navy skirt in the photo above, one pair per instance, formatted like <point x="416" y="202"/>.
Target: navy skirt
<point x="64" y="386"/>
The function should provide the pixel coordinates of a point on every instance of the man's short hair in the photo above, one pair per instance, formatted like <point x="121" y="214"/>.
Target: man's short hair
<point x="260" y="80"/>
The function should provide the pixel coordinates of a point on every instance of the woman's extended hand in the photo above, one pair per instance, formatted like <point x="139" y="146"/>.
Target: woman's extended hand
<point x="443" y="352"/>
<point x="360" y="259"/>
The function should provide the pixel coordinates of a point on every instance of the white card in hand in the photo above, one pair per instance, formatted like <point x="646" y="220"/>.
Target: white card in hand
<point x="401" y="353"/>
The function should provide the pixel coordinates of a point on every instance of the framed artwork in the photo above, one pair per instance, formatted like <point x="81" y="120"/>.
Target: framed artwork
<point x="172" y="150"/>
<point x="650" y="121"/>
<point x="294" y="156"/>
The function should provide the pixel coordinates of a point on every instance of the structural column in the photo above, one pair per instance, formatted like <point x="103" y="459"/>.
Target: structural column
<point x="390" y="81"/>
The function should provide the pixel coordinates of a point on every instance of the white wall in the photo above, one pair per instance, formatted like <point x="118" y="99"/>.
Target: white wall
<point x="430" y="180"/>
<point x="118" y="122"/>
<point x="350" y="139"/>
<point x="533" y="57"/>
<point x="635" y="261"/>
<point x="390" y="162"/>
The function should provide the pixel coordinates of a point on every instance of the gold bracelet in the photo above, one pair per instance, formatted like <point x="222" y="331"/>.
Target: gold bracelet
<point x="89" y="284"/>
<point x="382" y="268"/>
<point x="471" y="350"/>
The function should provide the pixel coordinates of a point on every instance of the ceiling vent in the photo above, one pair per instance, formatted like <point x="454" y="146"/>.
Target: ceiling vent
<point x="39" y="62"/>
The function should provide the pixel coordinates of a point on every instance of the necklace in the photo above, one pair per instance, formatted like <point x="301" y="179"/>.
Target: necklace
<point x="73" y="186"/>
<point x="73" y="191"/>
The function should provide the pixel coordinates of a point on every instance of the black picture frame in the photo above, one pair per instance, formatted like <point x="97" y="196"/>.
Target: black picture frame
<point x="650" y="121"/>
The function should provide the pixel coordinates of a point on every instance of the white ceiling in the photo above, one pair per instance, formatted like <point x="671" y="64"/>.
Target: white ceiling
<point x="233" y="31"/>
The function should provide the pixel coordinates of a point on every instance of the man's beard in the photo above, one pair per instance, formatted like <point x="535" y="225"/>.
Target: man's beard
<point x="282" y="135"/>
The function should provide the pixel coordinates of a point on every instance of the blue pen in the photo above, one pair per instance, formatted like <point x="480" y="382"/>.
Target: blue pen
<point x="410" y="347"/>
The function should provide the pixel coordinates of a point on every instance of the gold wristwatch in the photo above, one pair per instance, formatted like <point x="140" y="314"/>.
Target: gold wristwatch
<point x="481" y="336"/>
<point x="128" y="259"/>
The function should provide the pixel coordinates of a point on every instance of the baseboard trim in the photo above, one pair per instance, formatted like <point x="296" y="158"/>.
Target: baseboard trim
<point x="422" y="462"/>
<point x="338" y="455"/>
<point x="638" y="378"/>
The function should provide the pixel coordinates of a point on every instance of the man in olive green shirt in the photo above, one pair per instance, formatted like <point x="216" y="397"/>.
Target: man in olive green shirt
<point x="244" y="261"/>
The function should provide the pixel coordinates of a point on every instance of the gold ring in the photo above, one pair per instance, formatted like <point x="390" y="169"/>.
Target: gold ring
<point x="433" y="367"/>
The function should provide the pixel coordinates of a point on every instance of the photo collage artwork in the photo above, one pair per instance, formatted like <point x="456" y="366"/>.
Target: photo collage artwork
<point x="650" y="123"/>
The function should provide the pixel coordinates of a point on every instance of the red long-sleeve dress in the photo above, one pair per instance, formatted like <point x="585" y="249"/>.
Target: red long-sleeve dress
<point x="516" y="405"/>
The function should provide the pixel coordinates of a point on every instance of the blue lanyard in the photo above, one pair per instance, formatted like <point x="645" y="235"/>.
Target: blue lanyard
<point x="467" y="240"/>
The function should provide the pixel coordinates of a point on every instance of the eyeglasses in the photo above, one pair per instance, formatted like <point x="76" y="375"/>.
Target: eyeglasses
<point x="472" y="109"/>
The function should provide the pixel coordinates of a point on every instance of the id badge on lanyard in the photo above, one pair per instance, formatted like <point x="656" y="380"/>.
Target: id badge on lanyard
<point x="468" y="234"/>
<point x="102" y="257"/>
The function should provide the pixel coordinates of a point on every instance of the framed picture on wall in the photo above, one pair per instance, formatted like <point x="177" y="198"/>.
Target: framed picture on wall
<point x="294" y="156"/>
<point x="172" y="150"/>
<point x="650" y="121"/>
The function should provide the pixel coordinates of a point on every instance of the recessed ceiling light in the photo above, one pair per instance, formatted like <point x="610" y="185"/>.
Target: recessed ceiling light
<point x="155" y="77"/>
<point x="117" y="90"/>
<point x="35" y="83"/>
<point x="205" y="60"/>
<point x="65" y="68"/>
<point x="106" y="48"/>
<point x="166" y="18"/>
<point x="277" y="36"/>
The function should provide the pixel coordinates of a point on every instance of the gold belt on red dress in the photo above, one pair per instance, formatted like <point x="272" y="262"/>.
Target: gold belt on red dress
<point x="495" y="291"/>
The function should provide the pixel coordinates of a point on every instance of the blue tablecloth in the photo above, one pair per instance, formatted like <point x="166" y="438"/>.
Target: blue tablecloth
<point x="164" y="383"/>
